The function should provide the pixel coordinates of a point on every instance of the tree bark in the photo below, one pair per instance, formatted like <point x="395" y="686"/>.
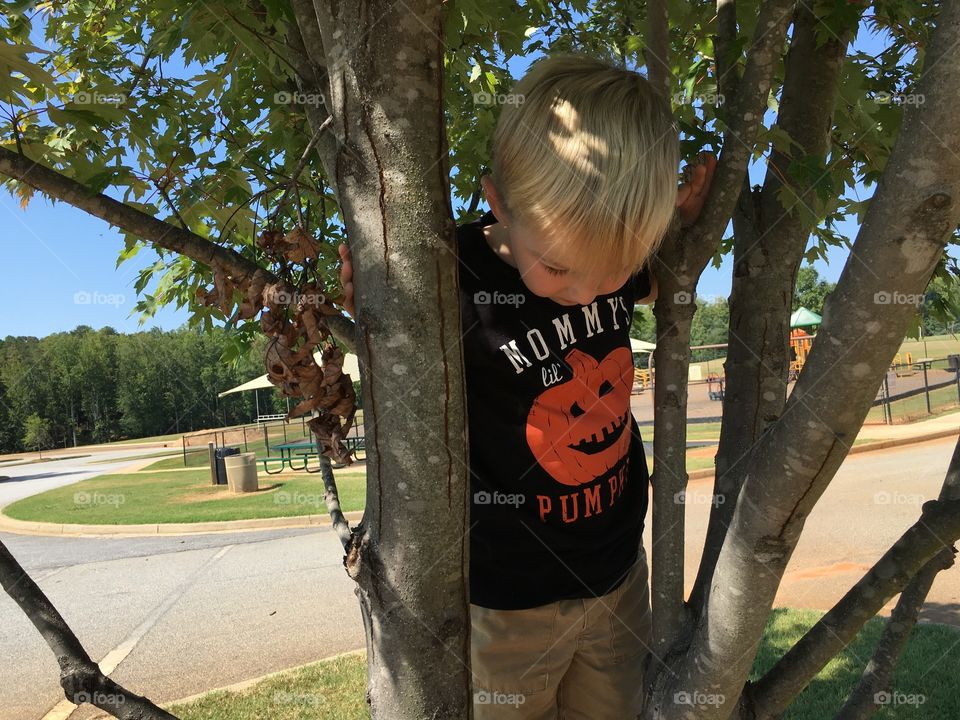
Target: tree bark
<point x="409" y="553"/>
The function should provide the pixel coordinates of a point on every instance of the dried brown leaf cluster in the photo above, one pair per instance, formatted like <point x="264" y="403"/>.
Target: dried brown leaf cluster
<point x="295" y="320"/>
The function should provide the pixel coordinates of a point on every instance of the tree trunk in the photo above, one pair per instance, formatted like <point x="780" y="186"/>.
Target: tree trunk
<point x="768" y="248"/>
<point x="409" y="553"/>
<point x="911" y="216"/>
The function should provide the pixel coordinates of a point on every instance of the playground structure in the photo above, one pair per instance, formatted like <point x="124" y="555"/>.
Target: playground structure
<point x="715" y="386"/>
<point x="901" y="367"/>
<point x="800" y="344"/>
<point x="641" y="380"/>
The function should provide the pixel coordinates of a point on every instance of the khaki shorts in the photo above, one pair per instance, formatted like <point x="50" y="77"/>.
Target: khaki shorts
<point x="573" y="659"/>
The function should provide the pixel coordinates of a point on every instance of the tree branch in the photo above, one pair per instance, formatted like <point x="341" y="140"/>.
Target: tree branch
<point x="677" y="266"/>
<point x="912" y="215"/>
<point x="305" y="42"/>
<point x="728" y="74"/>
<point x="657" y="50"/>
<point x="744" y="123"/>
<point x="862" y="703"/>
<point x="162" y="234"/>
<point x="915" y="558"/>
<point x="56" y="185"/>
<point x="80" y="676"/>
<point x="768" y="248"/>
<point x="301" y="164"/>
<point x="331" y="498"/>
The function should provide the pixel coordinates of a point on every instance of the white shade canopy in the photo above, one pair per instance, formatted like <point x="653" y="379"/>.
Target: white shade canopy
<point x="350" y="367"/>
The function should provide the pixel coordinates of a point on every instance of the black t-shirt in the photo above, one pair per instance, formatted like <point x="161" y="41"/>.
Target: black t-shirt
<point x="559" y="478"/>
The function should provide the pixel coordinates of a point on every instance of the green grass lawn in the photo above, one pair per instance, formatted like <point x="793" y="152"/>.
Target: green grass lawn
<point x="184" y="497"/>
<point x="334" y="689"/>
<point x="170" y="494"/>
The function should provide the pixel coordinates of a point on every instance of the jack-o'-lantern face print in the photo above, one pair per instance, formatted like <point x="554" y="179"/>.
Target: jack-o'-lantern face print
<point x="579" y="429"/>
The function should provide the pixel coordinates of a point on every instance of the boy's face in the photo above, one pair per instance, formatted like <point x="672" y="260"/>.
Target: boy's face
<point x="547" y="273"/>
<point x="541" y="262"/>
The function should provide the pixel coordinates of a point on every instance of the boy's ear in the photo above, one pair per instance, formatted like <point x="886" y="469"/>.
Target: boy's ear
<point x="492" y="195"/>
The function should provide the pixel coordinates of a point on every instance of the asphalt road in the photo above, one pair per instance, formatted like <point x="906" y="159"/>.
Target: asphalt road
<point x="874" y="498"/>
<point x="179" y="615"/>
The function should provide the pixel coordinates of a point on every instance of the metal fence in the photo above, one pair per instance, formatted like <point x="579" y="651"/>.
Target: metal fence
<point x="912" y="391"/>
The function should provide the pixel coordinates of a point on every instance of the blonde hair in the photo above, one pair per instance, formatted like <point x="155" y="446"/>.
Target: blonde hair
<point x="588" y="154"/>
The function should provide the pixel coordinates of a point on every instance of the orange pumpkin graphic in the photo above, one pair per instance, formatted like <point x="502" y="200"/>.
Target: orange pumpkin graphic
<point x="579" y="429"/>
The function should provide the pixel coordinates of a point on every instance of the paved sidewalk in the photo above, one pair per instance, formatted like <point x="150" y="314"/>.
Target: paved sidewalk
<point x="939" y="426"/>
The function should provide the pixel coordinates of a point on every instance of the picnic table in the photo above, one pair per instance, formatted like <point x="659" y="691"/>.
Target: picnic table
<point x="307" y="449"/>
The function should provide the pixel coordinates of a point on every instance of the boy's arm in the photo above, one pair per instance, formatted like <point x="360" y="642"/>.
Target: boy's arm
<point x="692" y="194"/>
<point x="652" y="296"/>
<point x="690" y="199"/>
<point x="644" y="285"/>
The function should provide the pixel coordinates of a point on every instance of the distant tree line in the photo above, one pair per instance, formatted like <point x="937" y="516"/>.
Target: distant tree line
<point x="91" y="386"/>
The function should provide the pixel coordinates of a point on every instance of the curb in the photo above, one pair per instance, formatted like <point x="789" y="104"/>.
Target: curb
<point x="245" y="684"/>
<point x="24" y="527"/>
<point x="27" y="527"/>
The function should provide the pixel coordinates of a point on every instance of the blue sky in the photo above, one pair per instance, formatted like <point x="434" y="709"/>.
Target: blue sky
<point x="61" y="264"/>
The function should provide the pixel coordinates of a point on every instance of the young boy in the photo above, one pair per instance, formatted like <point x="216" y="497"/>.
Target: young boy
<point x="583" y="189"/>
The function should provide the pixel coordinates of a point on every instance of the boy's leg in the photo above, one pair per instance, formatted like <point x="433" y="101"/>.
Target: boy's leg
<point x="518" y="658"/>
<point x="604" y="680"/>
